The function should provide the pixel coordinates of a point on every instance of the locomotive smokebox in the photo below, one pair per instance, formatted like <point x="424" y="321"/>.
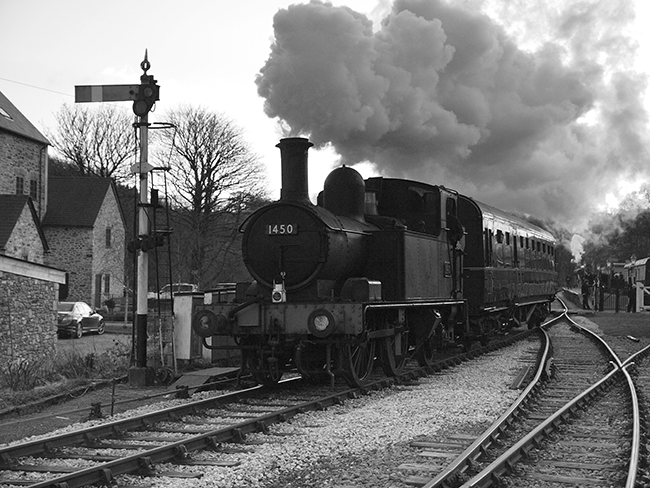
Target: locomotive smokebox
<point x="295" y="183"/>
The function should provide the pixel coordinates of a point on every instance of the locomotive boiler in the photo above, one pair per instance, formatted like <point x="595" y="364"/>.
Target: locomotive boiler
<point x="376" y="271"/>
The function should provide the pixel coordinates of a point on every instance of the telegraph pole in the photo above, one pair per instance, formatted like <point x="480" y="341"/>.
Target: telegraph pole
<point x="144" y="96"/>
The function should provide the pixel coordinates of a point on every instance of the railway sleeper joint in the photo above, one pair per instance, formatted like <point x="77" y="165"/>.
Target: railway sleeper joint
<point x="262" y="427"/>
<point x="107" y="477"/>
<point x="181" y="453"/>
<point x="89" y="440"/>
<point x="213" y="443"/>
<point x="182" y="392"/>
<point x="48" y="448"/>
<point x="6" y="460"/>
<point x="146" y="466"/>
<point x="238" y="436"/>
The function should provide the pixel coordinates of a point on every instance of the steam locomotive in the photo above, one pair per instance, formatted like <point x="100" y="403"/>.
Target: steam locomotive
<point x="382" y="270"/>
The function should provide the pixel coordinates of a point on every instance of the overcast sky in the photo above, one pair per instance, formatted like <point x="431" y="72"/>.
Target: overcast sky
<point x="534" y="107"/>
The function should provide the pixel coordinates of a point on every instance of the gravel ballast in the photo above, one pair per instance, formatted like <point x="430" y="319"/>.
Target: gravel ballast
<point x="362" y="442"/>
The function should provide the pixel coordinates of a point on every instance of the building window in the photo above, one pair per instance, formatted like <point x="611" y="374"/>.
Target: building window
<point x="33" y="190"/>
<point x="20" y="185"/>
<point x="108" y="237"/>
<point x="107" y="284"/>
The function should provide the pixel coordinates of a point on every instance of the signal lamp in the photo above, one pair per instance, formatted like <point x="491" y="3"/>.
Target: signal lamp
<point x="147" y="96"/>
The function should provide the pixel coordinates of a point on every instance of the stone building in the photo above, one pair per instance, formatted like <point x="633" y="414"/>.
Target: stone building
<point x="85" y="230"/>
<point x="28" y="288"/>
<point x="23" y="157"/>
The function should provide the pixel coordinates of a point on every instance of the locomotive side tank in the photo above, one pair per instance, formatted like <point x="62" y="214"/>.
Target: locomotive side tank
<point x="373" y="273"/>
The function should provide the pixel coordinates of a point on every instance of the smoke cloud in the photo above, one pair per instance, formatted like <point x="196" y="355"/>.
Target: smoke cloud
<point x="535" y="116"/>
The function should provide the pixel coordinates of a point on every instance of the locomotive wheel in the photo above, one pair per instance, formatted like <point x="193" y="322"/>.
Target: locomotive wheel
<point x="357" y="360"/>
<point x="394" y="352"/>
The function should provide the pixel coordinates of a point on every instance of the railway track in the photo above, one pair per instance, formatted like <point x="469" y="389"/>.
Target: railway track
<point x="140" y="444"/>
<point x="580" y="426"/>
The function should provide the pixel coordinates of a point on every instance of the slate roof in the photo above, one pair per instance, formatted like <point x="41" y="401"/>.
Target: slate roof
<point x="75" y="201"/>
<point x="17" y="123"/>
<point x="11" y="206"/>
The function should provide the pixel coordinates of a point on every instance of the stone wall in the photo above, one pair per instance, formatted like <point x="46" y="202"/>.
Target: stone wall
<point x="71" y="249"/>
<point x="27" y="319"/>
<point x="27" y="158"/>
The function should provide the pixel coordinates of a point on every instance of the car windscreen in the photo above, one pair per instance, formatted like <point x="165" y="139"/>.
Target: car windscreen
<point x="65" y="307"/>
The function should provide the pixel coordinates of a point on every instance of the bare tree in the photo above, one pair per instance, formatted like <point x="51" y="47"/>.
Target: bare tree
<point x="215" y="179"/>
<point x="99" y="141"/>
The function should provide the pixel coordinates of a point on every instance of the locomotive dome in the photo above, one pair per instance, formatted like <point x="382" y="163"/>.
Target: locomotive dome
<point x="344" y="193"/>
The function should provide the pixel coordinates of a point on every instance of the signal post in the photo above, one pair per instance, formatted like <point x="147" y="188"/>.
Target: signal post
<point x="144" y="96"/>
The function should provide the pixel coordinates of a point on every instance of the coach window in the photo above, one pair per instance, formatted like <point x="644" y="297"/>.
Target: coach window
<point x="491" y="244"/>
<point x="486" y="239"/>
<point x="515" y="261"/>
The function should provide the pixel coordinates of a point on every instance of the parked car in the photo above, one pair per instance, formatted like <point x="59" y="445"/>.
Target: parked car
<point x="167" y="290"/>
<point x="76" y="318"/>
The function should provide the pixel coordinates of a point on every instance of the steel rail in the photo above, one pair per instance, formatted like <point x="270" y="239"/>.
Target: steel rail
<point x="498" y="427"/>
<point x="599" y="340"/>
<point x="636" y="427"/>
<point x="179" y="450"/>
<point x="504" y="463"/>
<point x="46" y="444"/>
<point x="635" y="450"/>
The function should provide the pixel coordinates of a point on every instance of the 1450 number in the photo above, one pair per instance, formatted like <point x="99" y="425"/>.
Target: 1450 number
<point x="281" y="229"/>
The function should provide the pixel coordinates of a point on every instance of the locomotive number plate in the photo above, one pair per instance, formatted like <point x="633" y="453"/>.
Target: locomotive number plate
<point x="281" y="229"/>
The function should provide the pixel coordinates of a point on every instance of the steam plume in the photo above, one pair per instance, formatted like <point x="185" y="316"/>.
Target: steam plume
<point x="540" y="118"/>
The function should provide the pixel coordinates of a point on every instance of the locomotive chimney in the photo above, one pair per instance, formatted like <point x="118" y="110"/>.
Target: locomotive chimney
<point x="295" y="185"/>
